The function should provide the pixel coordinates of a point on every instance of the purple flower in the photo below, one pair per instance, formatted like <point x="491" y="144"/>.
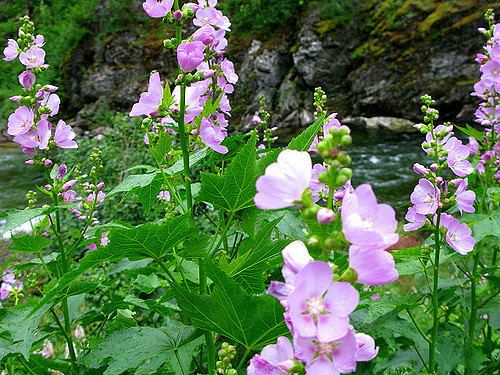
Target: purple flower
<point x="458" y="235"/>
<point x="11" y="51"/>
<point x="64" y="136"/>
<point x="164" y="195"/>
<point x="195" y="95"/>
<point x="457" y="155"/>
<point x="372" y="266"/>
<point x="211" y="16"/>
<point x="465" y="198"/>
<point x="190" y="55"/>
<point x="69" y="184"/>
<point x="70" y="196"/>
<point x="319" y="307"/>
<point x="8" y="276"/>
<point x="5" y="290"/>
<point x="473" y="146"/>
<point x="366" y="348"/>
<point x="213" y="135"/>
<point x="420" y="169"/>
<point x="285" y="181"/>
<point x="415" y="220"/>
<point x="365" y="222"/>
<point x="296" y="257"/>
<point x="332" y="358"/>
<point x="32" y="58"/>
<point x="205" y="34"/>
<point x="149" y="101"/>
<point x="317" y="187"/>
<point x="274" y="359"/>
<point x="157" y="8"/>
<point x="61" y="171"/>
<point x="51" y="101"/>
<point x="21" y="121"/>
<point x="228" y="70"/>
<point x="27" y="79"/>
<point x="325" y="215"/>
<point x="425" y="197"/>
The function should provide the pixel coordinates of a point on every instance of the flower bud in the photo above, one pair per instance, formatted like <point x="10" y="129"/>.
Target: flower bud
<point x="100" y="186"/>
<point x="27" y="79"/>
<point x="325" y="215"/>
<point x="346" y="140"/>
<point x="29" y="162"/>
<point x="420" y="169"/>
<point x="47" y="162"/>
<point x="15" y="99"/>
<point x="439" y="180"/>
<point x="48" y="187"/>
<point x="434" y="167"/>
<point x="177" y="15"/>
<point x="68" y="185"/>
<point x="209" y="73"/>
<point x="339" y="195"/>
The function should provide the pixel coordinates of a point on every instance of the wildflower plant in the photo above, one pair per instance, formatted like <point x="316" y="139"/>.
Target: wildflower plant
<point x="266" y="261"/>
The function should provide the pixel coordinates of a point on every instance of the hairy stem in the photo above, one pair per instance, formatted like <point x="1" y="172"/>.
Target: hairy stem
<point x="435" y="299"/>
<point x="472" y="316"/>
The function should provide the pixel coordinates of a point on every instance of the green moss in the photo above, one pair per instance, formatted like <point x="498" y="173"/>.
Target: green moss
<point x="361" y="51"/>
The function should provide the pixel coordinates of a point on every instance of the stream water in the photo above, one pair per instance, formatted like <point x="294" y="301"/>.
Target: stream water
<point x="382" y="159"/>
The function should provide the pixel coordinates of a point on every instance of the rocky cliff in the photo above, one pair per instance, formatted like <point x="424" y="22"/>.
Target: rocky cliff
<point x="377" y="62"/>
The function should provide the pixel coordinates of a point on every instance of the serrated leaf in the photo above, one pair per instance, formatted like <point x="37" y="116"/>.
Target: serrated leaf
<point x="144" y="350"/>
<point x="16" y="218"/>
<point x="194" y="159"/>
<point x="134" y="181"/>
<point x="305" y="139"/>
<point x="253" y="321"/>
<point x="29" y="244"/>
<point x="148" y="195"/>
<point x="471" y="132"/>
<point x="234" y="190"/>
<point x="484" y="225"/>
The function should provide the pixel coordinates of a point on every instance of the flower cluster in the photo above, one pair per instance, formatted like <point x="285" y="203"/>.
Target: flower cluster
<point x="10" y="285"/>
<point x="488" y="90"/>
<point x="206" y="76"/>
<point x="29" y="124"/>
<point x="436" y="191"/>
<point x="317" y="295"/>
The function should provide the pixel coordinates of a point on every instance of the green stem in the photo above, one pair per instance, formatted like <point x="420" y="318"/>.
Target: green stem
<point x="472" y="316"/>
<point x="435" y="299"/>
<point x="25" y="364"/>
<point x="209" y="340"/>
<point x="185" y="150"/>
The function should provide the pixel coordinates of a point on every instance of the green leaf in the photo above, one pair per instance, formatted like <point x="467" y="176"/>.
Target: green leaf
<point x="18" y="330"/>
<point x="252" y="321"/>
<point x="259" y="255"/>
<point x="29" y="244"/>
<point x="145" y="350"/>
<point x="148" y="195"/>
<point x="146" y="283"/>
<point x="134" y="181"/>
<point x="449" y="347"/>
<point x="471" y="132"/>
<point x="162" y="146"/>
<point x="484" y="225"/>
<point x="194" y="159"/>
<point x="234" y="190"/>
<point x="303" y="141"/>
<point x="16" y="218"/>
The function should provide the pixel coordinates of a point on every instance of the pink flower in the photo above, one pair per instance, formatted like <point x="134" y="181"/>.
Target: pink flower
<point x="457" y="155"/>
<point x="157" y="8"/>
<point x="285" y="181"/>
<point x="195" y="99"/>
<point x="317" y="187"/>
<point x="366" y="348"/>
<point x="149" y="101"/>
<point x="365" y="222"/>
<point x="212" y="136"/>
<point x="319" y="307"/>
<point x="458" y="235"/>
<point x="164" y="195"/>
<point x="425" y="197"/>
<point x="70" y="196"/>
<point x="21" y="121"/>
<point x="64" y="136"/>
<point x="61" y="171"/>
<point x="465" y="198"/>
<point x="205" y="34"/>
<point x="473" y="146"/>
<point x="274" y="359"/>
<point x="296" y="257"/>
<point x="211" y="16"/>
<point x="229" y="72"/>
<point x="27" y="79"/>
<point x="68" y="185"/>
<point x="190" y="55"/>
<point x="333" y="358"/>
<point x="11" y="51"/>
<point x="32" y="58"/>
<point x="415" y="220"/>
<point x="5" y="290"/>
<point x="372" y="266"/>
<point x="325" y="215"/>
<point x="52" y="102"/>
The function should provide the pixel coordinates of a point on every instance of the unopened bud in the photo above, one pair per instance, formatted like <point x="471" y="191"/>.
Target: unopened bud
<point x="325" y="215"/>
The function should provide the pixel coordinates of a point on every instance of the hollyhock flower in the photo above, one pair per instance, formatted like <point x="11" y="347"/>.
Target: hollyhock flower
<point x="440" y="134"/>
<point x="285" y="181"/>
<point x="317" y="187"/>
<point x="68" y="185"/>
<point x="190" y="55"/>
<point x="458" y="235"/>
<point x="8" y="276"/>
<point x="33" y="58"/>
<point x="365" y="222"/>
<point x="491" y="71"/>
<point x="457" y="155"/>
<point x="194" y="99"/>
<point x="27" y="79"/>
<point x="415" y="220"/>
<point x="333" y="358"/>
<point x="164" y="195"/>
<point x="465" y="198"/>
<point x="64" y="136"/>
<point x="332" y="123"/>
<point x="104" y="239"/>
<point x="149" y="101"/>
<point x="205" y="34"/>
<point x="280" y="291"/>
<point x="229" y="72"/>
<point x="425" y="197"/>
<point x="319" y="307"/>
<point x="274" y="359"/>
<point x="420" y="169"/>
<point x="5" y="290"/>
<point x="70" y="196"/>
<point x="473" y="146"/>
<point x="157" y="8"/>
<point x="98" y="199"/>
<point x="11" y="51"/>
<point x="51" y="101"/>
<point x="372" y="266"/>
<point x="92" y="247"/>
<point x="296" y="257"/>
<point x="212" y="136"/>
<point x="325" y="215"/>
<point x="211" y="16"/>
<point x="366" y="348"/>
<point x="21" y="121"/>
<point x="61" y="171"/>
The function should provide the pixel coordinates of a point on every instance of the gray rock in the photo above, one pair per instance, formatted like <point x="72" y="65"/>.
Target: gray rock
<point x="393" y="124"/>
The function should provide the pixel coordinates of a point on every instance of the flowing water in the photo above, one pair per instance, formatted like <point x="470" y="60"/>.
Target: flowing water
<point x="382" y="159"/>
